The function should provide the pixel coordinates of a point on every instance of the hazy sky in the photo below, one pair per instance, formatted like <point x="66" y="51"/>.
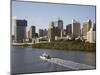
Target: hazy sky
<point x="41" y="14"/>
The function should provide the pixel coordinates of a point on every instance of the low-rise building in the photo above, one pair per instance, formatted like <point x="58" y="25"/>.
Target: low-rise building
<point x="40" y="40"/>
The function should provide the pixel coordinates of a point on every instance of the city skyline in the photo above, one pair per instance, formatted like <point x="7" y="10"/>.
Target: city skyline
<point x="41" y="14"/>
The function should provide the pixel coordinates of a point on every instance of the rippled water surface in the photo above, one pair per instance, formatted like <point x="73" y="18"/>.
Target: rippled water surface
<point x="27" y="60"/>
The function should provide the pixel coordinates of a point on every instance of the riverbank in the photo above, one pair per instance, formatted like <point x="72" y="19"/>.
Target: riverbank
<point x="67" y="45"/>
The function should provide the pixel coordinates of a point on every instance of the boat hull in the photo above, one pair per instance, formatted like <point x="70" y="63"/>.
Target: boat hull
<point x="44" y="58"/>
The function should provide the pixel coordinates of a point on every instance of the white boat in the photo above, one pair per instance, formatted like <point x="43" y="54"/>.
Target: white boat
<point x="45" y="56"/>
<point x="42" y="57"/>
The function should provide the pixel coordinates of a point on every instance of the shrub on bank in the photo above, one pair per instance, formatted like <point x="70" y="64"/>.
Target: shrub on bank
<point x="67" y="45"/>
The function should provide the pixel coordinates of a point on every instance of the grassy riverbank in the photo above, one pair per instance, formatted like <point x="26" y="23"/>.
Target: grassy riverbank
<point x="67" y="45"/>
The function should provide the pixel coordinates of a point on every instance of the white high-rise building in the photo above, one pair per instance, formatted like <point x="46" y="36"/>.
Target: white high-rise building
<point x="75" y="28"/>
<point x="13" y="25"/>
<point x="91" y="36"/>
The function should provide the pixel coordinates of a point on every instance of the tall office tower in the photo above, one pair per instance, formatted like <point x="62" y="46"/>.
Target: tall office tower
<point x="94" y="27"/>
<point x="69" y="28"/>
<point x="28" y="34"/>
<point x="20" y="31"/>
<point x="45" y="32"/>
<point x="75" y="28"/>
<point x="53" y="31"/>
<point x="57" y="31"/>
<point x="86" y="27"/>
<point x="41" y="32"/>
<point x="51" y="24"/>
<point x="32" y="32"/>
<point x="60" y="24"/>
<point x="81" y="31"/>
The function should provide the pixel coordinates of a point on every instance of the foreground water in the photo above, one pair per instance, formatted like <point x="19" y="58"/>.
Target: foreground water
<point x="27" y="60"/>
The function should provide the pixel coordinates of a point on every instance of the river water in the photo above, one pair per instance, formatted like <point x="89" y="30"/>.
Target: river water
<point x="27" y="60"/>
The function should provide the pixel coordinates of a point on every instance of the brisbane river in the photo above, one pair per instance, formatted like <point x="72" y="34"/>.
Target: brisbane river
<point x="27" y="60"/>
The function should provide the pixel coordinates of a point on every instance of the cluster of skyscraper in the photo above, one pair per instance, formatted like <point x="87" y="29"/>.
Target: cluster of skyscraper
<point x="55" y="29"/>
<point x="54" y="32"/>
<point x="32" y="33"/>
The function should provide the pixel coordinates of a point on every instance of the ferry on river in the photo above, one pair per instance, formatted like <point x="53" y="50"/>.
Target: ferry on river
<point x="45" y="56"/>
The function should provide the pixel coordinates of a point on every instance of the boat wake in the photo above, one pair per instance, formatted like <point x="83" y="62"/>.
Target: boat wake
<point x="68" y="63"/>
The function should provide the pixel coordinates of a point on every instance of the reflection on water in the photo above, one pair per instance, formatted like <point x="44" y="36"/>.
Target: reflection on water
<point x="27" y="60"/>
